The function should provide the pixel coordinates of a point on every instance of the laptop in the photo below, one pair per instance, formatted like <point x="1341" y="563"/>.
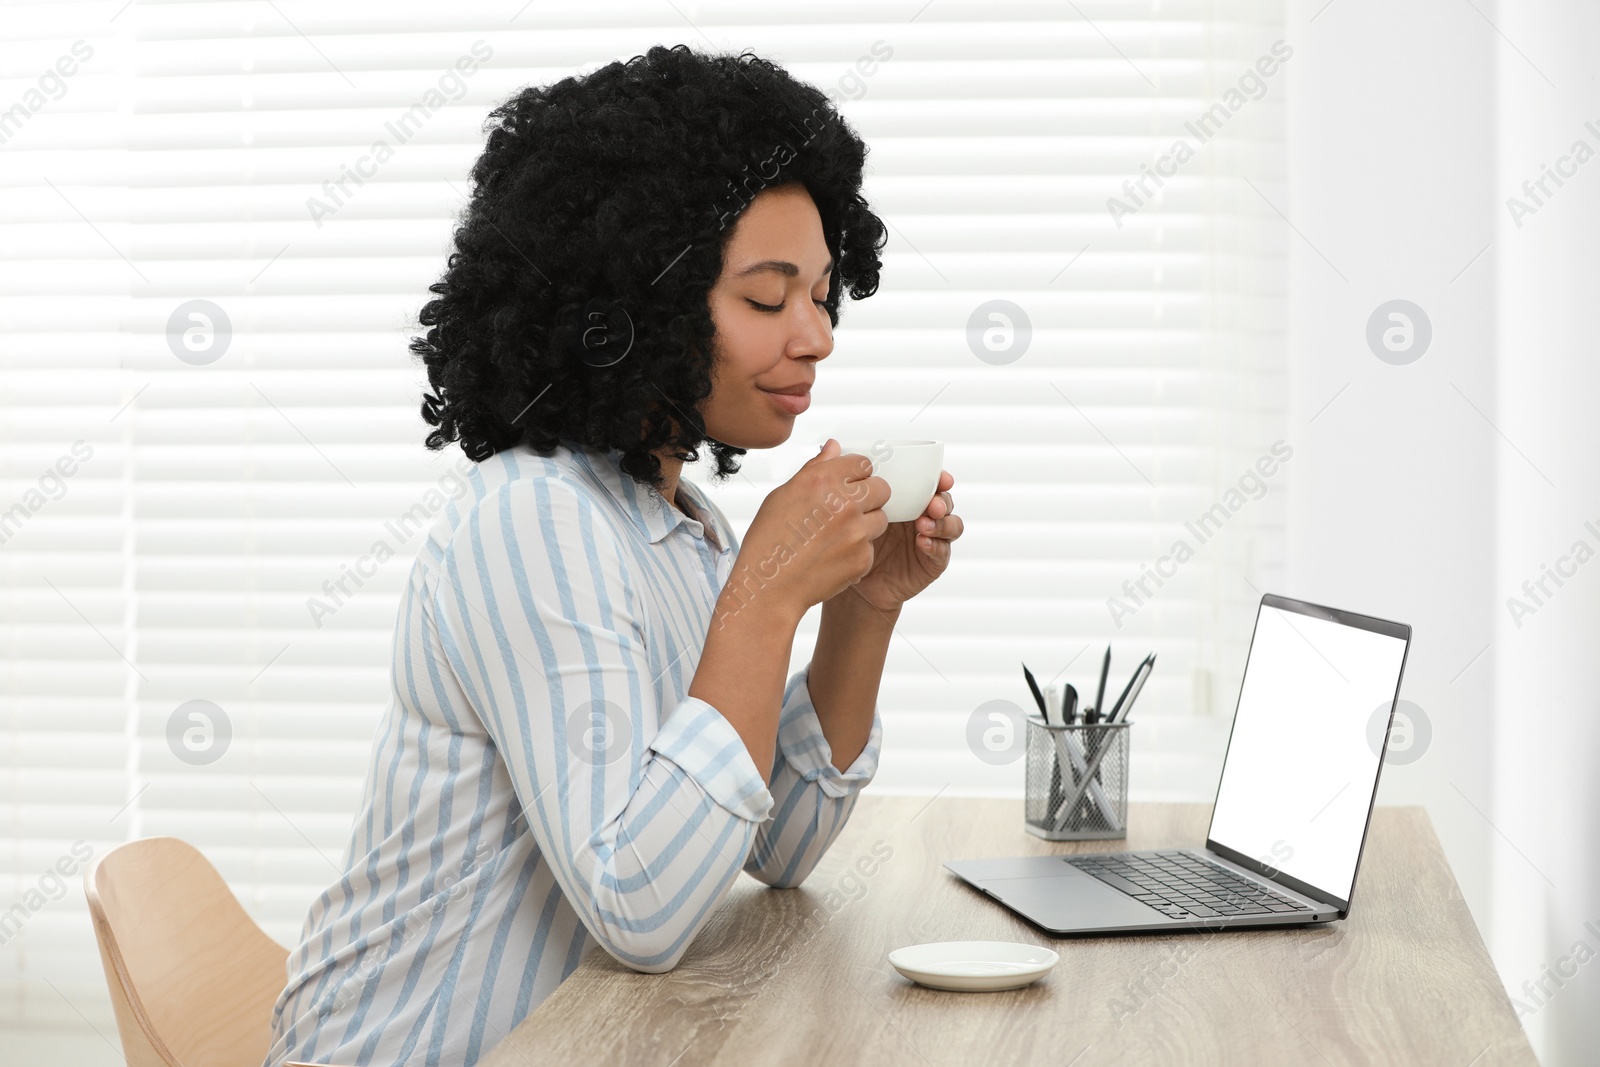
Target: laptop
<point x="1292" y="807"/>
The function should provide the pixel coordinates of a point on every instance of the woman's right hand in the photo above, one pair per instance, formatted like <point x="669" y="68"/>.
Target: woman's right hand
<point x="812" y="536"/>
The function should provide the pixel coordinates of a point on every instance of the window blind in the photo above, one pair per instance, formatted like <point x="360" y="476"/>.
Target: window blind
<point x="211" y="470"/>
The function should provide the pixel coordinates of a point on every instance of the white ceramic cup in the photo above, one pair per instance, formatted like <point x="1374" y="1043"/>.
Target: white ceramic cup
<point x="911" y="468"/>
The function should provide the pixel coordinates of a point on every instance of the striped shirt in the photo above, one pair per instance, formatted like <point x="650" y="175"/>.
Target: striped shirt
<point x="541" y="784"/>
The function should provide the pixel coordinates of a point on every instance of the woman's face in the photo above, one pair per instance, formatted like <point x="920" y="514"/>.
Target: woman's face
<point x="771" y="326"/>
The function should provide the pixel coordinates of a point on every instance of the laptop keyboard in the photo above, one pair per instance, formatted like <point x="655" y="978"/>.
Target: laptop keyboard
<point x="1181" y="885"/>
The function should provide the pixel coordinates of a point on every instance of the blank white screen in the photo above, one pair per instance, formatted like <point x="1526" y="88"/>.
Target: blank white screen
<point x="1298" y="779"/>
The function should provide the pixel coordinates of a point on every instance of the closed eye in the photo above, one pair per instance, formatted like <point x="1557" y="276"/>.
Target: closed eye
<point x="775" y="308"/>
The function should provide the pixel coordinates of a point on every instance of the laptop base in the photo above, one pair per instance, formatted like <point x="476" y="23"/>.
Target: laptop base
<point x="1057" y="897"/>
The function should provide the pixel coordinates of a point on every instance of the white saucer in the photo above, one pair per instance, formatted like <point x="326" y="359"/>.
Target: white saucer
<point x="973" y="966"/>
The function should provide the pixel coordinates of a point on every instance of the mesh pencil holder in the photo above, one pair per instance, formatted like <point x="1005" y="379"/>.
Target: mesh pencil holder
<point x="1077" y="781"/>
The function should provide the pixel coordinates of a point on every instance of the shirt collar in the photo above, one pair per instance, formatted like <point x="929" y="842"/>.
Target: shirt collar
<point x="647" y="508"/>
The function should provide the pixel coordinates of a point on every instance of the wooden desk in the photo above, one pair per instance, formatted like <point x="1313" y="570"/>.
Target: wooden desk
<point x="800" y="976"/>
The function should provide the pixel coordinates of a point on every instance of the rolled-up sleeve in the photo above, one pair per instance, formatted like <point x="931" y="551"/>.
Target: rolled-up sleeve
<point x="644" y="828"/>
<point x="813" y="798"/>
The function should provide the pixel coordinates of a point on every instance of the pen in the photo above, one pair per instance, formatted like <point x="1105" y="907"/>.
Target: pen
<point x="1038" y="697"/>
<point x="1124" y="709"/>
<point x="1129" y="687"/>
<point x="1069" y="705"/>
<point x="1100" y="693"/>
<point x="1044" y="711"/>
<point x="1093" y="716"/>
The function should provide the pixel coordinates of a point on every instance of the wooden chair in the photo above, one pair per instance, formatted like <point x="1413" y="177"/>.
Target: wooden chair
<point x="193" y="979"/>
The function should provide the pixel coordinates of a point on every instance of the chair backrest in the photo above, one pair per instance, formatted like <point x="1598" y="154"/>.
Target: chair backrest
<point x="193" y="978"/>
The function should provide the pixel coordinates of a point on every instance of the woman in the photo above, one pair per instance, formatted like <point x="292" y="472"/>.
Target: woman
<point x="591" y="733"/>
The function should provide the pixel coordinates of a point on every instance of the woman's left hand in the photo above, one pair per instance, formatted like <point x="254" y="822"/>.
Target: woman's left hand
<point x="908" y="556"/>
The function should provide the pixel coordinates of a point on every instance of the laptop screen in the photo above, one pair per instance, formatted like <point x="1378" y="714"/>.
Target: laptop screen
<point x="1302" y="764"/>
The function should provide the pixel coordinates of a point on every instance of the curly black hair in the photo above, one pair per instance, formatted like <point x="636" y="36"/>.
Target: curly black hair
<point x="574" y="306"/>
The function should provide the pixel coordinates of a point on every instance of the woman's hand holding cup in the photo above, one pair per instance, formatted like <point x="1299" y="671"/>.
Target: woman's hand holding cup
<point x="915" y="549"/>
<point x="812" y="537"/>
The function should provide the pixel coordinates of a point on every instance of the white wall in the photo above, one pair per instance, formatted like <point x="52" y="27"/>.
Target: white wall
<point x="1392" y="499"/>
<point x="1547" y="864"/>
<point x="1429" y="492"/>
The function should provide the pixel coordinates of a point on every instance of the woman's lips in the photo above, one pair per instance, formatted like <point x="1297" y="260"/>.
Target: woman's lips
<point x="792" y="403"/>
